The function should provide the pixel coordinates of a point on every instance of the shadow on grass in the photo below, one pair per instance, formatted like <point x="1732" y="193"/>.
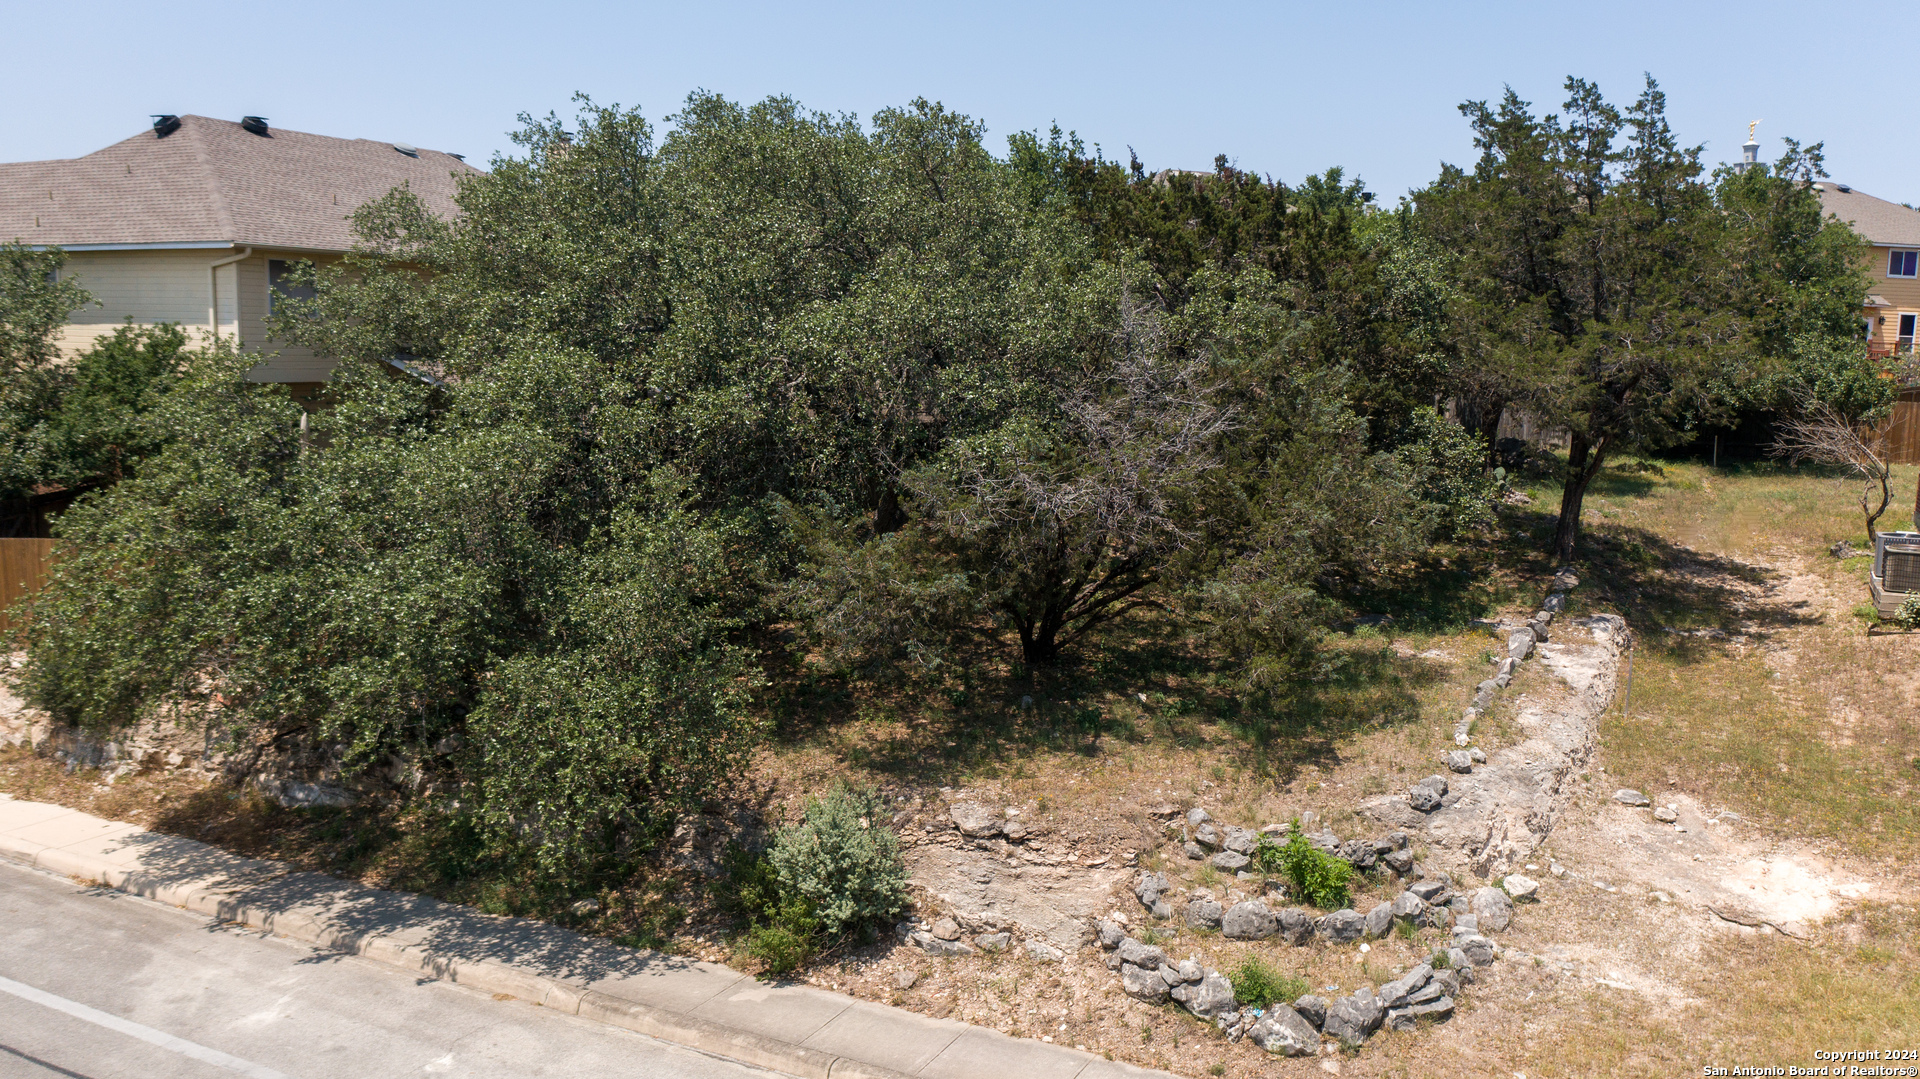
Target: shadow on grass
<point x="1143" y="682"/>
<point x="1680" y="600"/>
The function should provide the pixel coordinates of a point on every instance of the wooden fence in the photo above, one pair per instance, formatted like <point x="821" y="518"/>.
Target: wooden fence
<point x="23" y="569"/>
<point x="1903" y="429"/>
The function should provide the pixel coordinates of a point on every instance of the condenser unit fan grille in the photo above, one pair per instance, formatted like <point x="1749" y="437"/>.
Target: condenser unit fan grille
<point x="1902" y="568"/>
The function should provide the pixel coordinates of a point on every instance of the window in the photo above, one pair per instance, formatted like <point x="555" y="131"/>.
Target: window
<point x="279" y="283"/>
<point x="1903" y="263"/>
<point x="1905" y="343"/>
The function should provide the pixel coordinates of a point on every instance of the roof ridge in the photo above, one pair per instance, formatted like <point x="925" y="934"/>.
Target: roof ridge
<point x="216" y="198"/>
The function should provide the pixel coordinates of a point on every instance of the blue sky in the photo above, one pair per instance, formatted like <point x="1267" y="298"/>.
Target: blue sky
<point x="1283" y="89"/>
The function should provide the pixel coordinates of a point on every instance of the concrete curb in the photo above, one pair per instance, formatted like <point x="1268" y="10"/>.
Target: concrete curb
<point x="302" y="906"/>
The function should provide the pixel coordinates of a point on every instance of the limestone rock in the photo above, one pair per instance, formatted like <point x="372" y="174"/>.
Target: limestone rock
<point x="1429" y="890"/>
<point x="1197" y="817"/>
<point x="1283" y="1032"/>
<point x="1144" y="983"/>
<point x="1354" y="1018"/>
<point x="1460" y="761"/>
<point x="1629" y="797"/>
<point x="1311" y="1008"/>
<point x="1493" y="908"/>
<point x="1340" y="927"/>
<point x="992" y="942"/>
<point x="1241" y="840"/>
<point x="1408" y="1018"/>
<point x="1203" y="914"/>
<point x="1141" y="955"/>
<point x="1425" y="795"/>
<point x="1666" y="814"/>
<point x="946" y="929"/>
<point x="1520" y="644"/>
<point x="976" y="821"/>
<point x="1149" y="888"/>
<point x="1231" y="861"/>
<point x="1207" y="836"/>
<point x="1408" y="907"/>
<point x="1396" y="993"/>
<point x="1250" y="920"/>
<point x="905" y="979"/>
<point x="1400" y="861"/>
<point x="1109" y="934"/>
<point x="933" y="945"/>
<point x="1379" y="920"/>
<point x="1295" y="925"/>
<point x="1477" y="950"/>
<point x="1208" y="998"/>
<point x="1521" y="887"/>
<point x="1194" y="851"/>
<point x="1044" y="952"/>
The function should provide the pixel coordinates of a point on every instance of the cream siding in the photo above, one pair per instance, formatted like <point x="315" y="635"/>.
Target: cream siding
<point x="149" y="287"/>
<point x="280" y="363"/>
<point x="186" y="287"/>
<point x="1901" y="293"/>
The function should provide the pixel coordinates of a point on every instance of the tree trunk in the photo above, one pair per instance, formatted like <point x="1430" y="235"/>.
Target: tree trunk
<point x="1583" y="464"/>
<point x="1482" y="417"/>
<point x="888" y="516"/>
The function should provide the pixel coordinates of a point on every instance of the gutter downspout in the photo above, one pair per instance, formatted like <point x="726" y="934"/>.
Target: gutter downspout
<point x="213" y="295"/>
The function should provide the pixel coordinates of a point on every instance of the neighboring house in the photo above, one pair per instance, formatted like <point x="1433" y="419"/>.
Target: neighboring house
<point x="195" y="220"/>
<point x="1892" y="306"/>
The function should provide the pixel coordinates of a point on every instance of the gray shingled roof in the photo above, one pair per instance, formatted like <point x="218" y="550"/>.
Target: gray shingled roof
<point x="212" y="182"/>
<point x="1879" y="221"/>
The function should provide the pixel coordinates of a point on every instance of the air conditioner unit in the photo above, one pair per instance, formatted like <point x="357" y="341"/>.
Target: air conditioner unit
<point x="1896" y="570"/>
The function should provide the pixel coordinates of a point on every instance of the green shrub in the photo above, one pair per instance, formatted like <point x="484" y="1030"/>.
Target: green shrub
<point x="844" y="860"/>
<point x="1318" y="877"/>
<point x="1256" y="984"/>
<point x="1908" y="614"/>
<point x="783" y="931"/>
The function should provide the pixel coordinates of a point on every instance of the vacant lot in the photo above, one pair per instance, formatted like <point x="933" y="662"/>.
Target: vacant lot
<point x="1761" y="700"/>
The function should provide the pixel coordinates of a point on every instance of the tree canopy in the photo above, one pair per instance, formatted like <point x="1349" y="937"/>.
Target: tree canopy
<point x="593" y="445"/>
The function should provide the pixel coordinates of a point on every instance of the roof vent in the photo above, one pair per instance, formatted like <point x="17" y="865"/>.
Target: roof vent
<point x="458" y="157"/>
<point x="410" y="151"/>
<point x="165" y="124"/>
<point x="1843" y="189"/>
<point x="256" y="125"/>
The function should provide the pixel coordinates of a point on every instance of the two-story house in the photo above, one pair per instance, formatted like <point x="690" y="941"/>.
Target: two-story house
<point x="194" y="220"/>
<point x="1892" y="307"/>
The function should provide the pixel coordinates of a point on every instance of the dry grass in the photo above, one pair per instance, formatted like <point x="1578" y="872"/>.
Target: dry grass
<point x="1755" y="685"/>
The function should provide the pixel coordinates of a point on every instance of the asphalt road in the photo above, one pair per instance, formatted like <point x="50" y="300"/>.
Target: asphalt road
<point x="98" y="985"/>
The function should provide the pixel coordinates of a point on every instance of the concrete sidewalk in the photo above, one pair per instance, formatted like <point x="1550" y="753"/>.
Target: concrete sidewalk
<point x="797" y="1029"/>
